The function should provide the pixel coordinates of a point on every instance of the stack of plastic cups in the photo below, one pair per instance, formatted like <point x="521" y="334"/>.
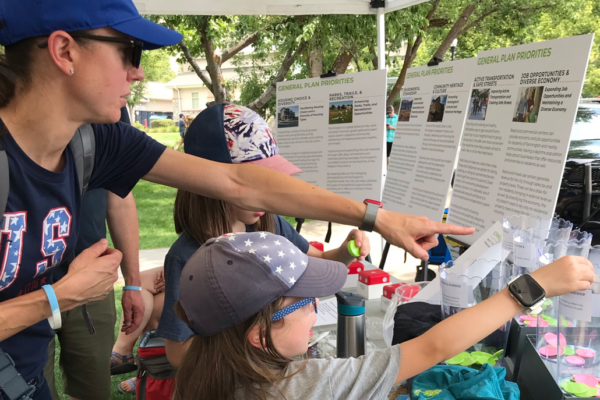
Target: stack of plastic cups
<point x="567" y="333"/>
<point x="529" y="229"/>
<point x="481" y="280"/>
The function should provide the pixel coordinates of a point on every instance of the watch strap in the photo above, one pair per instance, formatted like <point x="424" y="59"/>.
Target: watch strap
<point x="368" y="223"/>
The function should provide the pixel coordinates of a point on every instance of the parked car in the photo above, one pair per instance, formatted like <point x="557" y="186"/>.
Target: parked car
<point x="583" y="149"/>
<point x="159" y="116"/>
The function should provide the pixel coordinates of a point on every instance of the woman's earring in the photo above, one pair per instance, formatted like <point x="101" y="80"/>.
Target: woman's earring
<point x="72" y="71"/>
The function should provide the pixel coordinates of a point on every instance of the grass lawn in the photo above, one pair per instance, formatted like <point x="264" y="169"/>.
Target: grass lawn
<point x="115" y="380"/>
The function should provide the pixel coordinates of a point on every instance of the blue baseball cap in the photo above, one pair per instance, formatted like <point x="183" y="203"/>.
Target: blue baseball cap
<point x="22" y="19"/>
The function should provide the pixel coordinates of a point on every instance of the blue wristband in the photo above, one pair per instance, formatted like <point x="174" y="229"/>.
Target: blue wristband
<point x="136" y="288"/>
<point x="55" y="320"/>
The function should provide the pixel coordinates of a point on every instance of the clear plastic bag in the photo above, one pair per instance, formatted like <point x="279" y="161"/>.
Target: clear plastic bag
<point x="388" y="320"/>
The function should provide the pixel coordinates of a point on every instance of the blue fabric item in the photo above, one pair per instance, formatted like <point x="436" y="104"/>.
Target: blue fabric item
<point x="170" y="326"/>
<point x="291" y="308"/>
<point x="28" y="18"/>
<point x="42" y="221"/>
<point x="210" y="143"/>
<point x="450" y="382"/>
<point x="393" y="121"/>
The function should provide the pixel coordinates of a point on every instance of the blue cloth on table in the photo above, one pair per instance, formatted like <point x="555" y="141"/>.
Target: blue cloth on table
<point x="451" y="382"/>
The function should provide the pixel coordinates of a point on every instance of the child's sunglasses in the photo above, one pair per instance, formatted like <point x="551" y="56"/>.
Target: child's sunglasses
<point x="296" y="306"/>
<point x="137" y="45"/>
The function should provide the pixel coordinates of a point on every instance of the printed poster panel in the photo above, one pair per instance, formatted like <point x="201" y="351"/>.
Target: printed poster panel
<point x="333" y="130"/>
<point x="516" y="138"/>
<point x="430" y="121"/>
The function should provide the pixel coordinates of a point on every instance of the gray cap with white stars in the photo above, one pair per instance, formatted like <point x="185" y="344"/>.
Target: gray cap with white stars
<point x="232" y="277"/>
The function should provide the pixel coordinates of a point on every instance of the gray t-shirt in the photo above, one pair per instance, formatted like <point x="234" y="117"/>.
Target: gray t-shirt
<point x="369" y="377"/>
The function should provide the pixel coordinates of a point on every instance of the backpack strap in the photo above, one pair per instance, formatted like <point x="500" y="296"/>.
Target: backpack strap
<point x="12" y="383"/>
<point x="4" y="179"/>
<point x="83" y="146"/>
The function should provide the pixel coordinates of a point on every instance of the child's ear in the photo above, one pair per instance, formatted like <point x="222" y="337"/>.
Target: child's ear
<point x="254" y="337"/>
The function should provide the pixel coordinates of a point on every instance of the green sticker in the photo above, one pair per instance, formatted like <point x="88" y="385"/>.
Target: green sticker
<point x="467" y="361"/>
<point x="456" y="360"/>
<point x="552" y="322"/>
<point x="577" y="389"/>
<point x="546" y="317"/>
<point x="591" y="392"/>
<point x="483" y="359"/>
<point x="569" y="351"/>
<point x="498" y="354"/>
<point x="353" y="249"/>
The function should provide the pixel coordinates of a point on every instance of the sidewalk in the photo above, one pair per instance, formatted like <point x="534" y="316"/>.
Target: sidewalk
<point x="316" y="231"/>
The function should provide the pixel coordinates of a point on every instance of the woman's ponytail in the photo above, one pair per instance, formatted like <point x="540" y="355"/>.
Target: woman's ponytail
<point x="15" y="68"/>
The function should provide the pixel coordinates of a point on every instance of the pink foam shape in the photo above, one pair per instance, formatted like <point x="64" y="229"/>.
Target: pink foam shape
<point x="551" y="339"/>
<point x="526" y="317"/>
<point x="550" y="351"/>
<point x="585" y="353"/>
<point x="589" y="380"/>
<point x="575" y="360"/>
<point x="543" y="324"/>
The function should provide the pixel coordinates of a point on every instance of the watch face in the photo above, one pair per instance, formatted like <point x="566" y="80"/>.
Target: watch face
<point x="527" y="290"/>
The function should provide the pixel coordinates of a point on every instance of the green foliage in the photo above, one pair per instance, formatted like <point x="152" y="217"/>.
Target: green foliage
<point x="162" y="123"/>
<point x="157" y="66"/>
<point x="138" y="125"/>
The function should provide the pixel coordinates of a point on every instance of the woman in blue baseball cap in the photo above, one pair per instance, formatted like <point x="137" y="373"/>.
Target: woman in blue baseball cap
<point x="68" y="63"/>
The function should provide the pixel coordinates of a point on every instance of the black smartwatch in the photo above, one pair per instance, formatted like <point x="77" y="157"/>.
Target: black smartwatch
<point x="528" y="293"/>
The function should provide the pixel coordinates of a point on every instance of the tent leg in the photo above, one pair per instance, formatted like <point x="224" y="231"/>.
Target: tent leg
<point x="381" y="38"/>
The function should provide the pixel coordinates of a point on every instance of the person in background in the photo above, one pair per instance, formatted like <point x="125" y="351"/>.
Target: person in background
<point x="522" y="109"/>
<point x="181" y="123"/>
<point x="531" y="117"/>
<point x="391" y="119"/>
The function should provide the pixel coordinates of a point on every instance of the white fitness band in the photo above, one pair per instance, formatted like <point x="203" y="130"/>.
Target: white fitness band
<point x="55" y="320"/>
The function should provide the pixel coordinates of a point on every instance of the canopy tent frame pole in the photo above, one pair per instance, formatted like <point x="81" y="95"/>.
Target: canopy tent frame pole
<point x="381" y="38"/>
<point x="381" y="65"/>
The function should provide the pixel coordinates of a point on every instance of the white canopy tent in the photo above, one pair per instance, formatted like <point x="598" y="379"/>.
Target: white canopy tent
<point x="281" y="7"/>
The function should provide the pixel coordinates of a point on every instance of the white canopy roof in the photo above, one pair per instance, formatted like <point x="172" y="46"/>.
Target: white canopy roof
<point x="266" y="7"/>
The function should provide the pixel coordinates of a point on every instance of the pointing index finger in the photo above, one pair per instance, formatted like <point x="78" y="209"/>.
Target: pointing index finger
<point x="450" y="229"/>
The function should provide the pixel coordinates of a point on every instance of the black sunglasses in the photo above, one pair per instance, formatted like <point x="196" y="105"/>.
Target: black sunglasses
<point x="137" y="45"/>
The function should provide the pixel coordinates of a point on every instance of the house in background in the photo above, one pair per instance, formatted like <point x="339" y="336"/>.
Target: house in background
<point x="157" y="101"/>
<point x="190" y="95"/>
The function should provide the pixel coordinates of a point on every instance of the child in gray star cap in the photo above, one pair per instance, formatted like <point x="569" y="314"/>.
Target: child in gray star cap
<point x="251" y="300"/>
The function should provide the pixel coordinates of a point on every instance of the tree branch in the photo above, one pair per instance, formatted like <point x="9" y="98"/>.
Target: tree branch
<point x="478" y="20"/>
<point x="239" y="46"/>
<point x="437" y="23"/>
<point x="212" y="66"/>
<point x="287" y="63"/>
<point x="195" y="66"/>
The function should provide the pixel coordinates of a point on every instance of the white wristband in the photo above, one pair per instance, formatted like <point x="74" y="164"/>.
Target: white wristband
<point x="55" y="320"/>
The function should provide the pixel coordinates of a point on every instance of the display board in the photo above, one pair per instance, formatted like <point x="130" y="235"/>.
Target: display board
<point x="334" y="130"/>
<point x="430" y="121"/>
<point x="516" y="137"/>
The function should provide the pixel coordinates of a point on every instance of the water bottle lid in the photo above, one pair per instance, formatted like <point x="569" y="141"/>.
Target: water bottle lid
<point x="350" y="304"/>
